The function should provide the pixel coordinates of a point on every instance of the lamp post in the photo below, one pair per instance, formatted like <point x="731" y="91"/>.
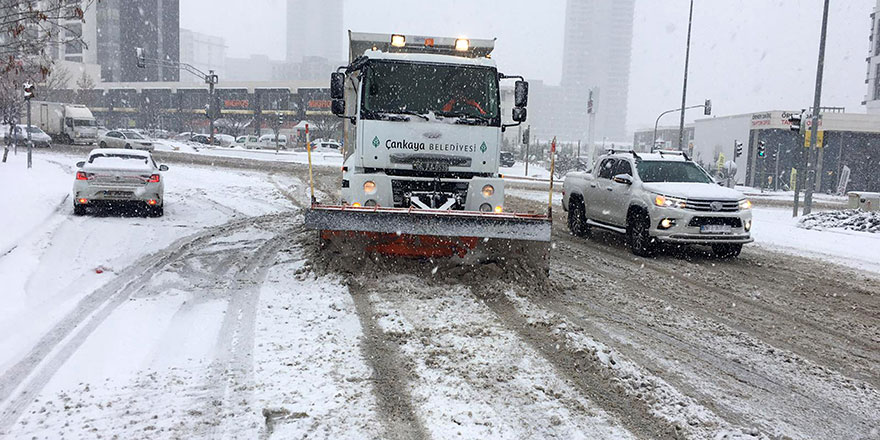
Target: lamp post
<point x="705" y="106"/>
<point x="687" y="56"/>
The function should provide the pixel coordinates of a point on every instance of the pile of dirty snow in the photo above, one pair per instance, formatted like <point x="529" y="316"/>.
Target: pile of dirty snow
<point x="850" y="219"/>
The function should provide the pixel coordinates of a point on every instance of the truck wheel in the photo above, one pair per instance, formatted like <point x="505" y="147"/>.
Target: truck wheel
<point x="640" y="241"/>
<point x="79" y="209"/>
<point x="577" y="220"/>
<point x="102" y="144"/>
<point x="727" y="250"/>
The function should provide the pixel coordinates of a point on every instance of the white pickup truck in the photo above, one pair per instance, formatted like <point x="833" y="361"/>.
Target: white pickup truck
<point x="654" y="198"/>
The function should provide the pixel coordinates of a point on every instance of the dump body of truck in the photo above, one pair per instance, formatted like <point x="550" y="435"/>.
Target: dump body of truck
<point x="67" y="123"/>
<point x="423" y="125"/>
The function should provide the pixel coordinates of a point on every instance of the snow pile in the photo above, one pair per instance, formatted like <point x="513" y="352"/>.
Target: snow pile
<point x="850" y="219"/>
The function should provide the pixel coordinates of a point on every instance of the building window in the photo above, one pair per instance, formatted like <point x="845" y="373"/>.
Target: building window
<point x="72" y="35"/>
<point x="877" y="82"/>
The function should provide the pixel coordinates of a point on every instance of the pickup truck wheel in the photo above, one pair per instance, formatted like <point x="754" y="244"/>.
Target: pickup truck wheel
<point x="727" y="250"/>
<point x="640" y="241"/>
<point x="577" y="220"/>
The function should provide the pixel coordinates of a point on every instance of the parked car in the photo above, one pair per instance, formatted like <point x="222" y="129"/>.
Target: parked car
<point x="268" y="141"/>
<point x="38" y="137"/>
<point x="248" y="142"/>
<point x="125" y="139"/>
<point x="507" y="159"/>
<point x="661" y="197"/>
<point x="119" y="176"/>
<point x="326" y="143"/>
<point x="204" y="139"/>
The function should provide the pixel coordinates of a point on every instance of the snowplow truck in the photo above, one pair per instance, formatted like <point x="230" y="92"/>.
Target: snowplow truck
<point x="422" y="137"/>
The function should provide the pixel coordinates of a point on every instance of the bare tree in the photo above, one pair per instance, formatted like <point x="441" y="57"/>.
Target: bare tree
<point x="29" y="28"/>
<point x="326" y="128"/>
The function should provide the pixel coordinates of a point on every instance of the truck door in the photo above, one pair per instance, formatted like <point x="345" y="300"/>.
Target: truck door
<point x="619" y="194"/>
<point x="595" y="197"/>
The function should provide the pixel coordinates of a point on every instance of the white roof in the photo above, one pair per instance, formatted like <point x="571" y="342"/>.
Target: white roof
<point x="669" y="157"/>
<point x="125" y="151"/>
<point x="429" y="58"/>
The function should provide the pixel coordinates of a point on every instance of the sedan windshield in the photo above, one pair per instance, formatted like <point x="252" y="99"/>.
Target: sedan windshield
<point x="668" y="171"/>
<point x="401" y="88"/>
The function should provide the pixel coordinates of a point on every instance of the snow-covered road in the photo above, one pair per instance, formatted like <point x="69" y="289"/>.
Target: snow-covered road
<point x="223" y="319"/>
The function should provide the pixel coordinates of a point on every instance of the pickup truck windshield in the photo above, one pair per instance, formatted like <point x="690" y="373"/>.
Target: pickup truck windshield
<point x="667" y="171"/>
<point x="401" y="88"/>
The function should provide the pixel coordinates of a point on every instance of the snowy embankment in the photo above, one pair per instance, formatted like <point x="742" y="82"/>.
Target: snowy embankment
<point x="846" y="220"/>
<point x="776" y="228"/>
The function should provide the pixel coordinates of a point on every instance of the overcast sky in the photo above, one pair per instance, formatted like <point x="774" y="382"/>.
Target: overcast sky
<point x="747" y="55"/>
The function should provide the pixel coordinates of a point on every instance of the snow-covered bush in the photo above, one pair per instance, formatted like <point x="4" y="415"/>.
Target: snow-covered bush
<point x="854" y="220"/>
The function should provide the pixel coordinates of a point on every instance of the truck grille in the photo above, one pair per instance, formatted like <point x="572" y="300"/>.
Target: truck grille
<point x="733" y="222"/>
<point x="707" y="205"/>
<point x="402" y="189"/>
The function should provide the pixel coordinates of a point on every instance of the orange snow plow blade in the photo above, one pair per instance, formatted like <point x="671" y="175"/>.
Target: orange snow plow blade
<point x="433" y="234"/>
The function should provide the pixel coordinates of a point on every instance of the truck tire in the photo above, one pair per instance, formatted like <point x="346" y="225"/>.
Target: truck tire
<point x="638" y="235"/>
<point x="577" y="219"/>
<point x="727" y="250"/>
<point x="79" y="209"/>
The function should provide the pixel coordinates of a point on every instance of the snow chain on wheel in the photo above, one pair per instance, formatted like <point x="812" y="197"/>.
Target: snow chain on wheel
<point x="640" y="241"/>
<point x="577" y="221"/>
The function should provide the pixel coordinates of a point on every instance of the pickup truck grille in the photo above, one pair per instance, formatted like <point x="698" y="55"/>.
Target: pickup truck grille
<point x="733" y="222"/>
<point x="707" y="205"/>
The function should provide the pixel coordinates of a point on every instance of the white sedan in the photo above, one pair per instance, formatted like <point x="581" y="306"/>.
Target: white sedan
<point x="119" y="176"/>
<point x="126" y="139"/>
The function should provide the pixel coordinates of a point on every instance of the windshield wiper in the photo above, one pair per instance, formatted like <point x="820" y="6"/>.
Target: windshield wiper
<point x="395" y="115"/>
<point x="465" y="119"/>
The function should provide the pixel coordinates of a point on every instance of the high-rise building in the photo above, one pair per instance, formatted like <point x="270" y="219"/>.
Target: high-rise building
<point x="314" y="29"/>
<point x="123" y="25"/>
<point x="872" y="98"/>
<point x="597" y="55"/>
<point x="202" y="51"/>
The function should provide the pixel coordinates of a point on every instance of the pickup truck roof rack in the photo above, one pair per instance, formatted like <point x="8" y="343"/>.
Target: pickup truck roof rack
<point x="613" y="151"/>
<point x="674" y="153"/>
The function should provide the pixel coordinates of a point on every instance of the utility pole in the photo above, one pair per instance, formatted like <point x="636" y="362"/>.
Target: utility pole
<point x="28" y="94"/>
<point x="776" y="169"/>
<point x="211" y="79"/>
<point x="814" y="130"/>
<point x="687" y="56"/>
<point x="526" y="140"/>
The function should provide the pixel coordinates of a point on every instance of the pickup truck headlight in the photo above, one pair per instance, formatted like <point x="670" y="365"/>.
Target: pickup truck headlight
<point x="745" y="204"/>
<point x="488" y="191"/>
<point x="668" y="202"/>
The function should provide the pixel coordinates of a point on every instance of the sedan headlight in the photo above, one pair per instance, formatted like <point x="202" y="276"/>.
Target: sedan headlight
<point x="668" y="202"/>
<point x="488" y="191"/>
<point x="369" y="187"/>
<point x="745" y="204"/>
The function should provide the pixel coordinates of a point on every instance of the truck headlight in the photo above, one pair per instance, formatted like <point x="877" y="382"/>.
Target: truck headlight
<point x="488" y="191"/>
<point x="745" y="204"/>
<point x="668" y="202"/>
<point x="370" y="187"/>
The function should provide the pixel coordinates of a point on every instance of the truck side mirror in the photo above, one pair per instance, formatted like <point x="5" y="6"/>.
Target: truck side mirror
<point x="521" y="94"/>
<point x="519" y="114"/>
<point x="338" y="107"/>
<point x="337" y="85"/>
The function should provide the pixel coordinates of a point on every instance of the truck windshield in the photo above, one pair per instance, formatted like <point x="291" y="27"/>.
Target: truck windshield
<point x="84" y="123"/>
<point x="668" y="171"/>
<point x="451" y="90"/>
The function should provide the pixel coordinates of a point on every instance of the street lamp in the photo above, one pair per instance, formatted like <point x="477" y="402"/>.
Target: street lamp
<point x="687" y="56"/>
<point x="707" y="110"/>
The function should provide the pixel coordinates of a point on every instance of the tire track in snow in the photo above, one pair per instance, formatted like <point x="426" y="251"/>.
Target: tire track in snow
<point x="390" y="384"/>
<point x="36" y="228"/>
<point x="23" y="381"/>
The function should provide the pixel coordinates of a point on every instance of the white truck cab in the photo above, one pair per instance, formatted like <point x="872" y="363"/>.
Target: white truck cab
<point x="424" y="119"/>
<point x="653" y="198"/>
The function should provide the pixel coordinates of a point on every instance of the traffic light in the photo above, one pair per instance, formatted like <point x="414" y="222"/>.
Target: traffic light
<point x="738" y="151"/>
<point x="141" y="58"/>
<point x="590" y="104"/>
<point x="280" y="119"/>
<point x="795" y="121"/>
<point x="28" y="90"/>
<point x="762" y="150"/>
<point x="707" y="107"/>
<point x="525" y="139"/>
